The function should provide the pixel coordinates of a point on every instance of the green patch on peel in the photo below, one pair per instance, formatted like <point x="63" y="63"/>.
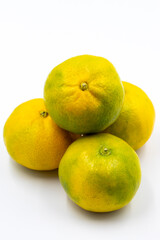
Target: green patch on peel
<point x="114" y="186"/>
<point x="66" y="187"/>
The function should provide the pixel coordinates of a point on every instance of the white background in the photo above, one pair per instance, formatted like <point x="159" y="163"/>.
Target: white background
<point x="37" y="35"/>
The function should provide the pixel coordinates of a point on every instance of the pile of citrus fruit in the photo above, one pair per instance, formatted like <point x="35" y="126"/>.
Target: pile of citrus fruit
<point x="88" y="125"/>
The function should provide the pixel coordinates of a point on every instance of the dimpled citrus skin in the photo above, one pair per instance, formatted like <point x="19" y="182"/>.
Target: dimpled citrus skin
<point x="84" y="94"/>
<point x="136" y="120"/>
<point x="100" y="173"/>
<point x="34" y="140"/>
